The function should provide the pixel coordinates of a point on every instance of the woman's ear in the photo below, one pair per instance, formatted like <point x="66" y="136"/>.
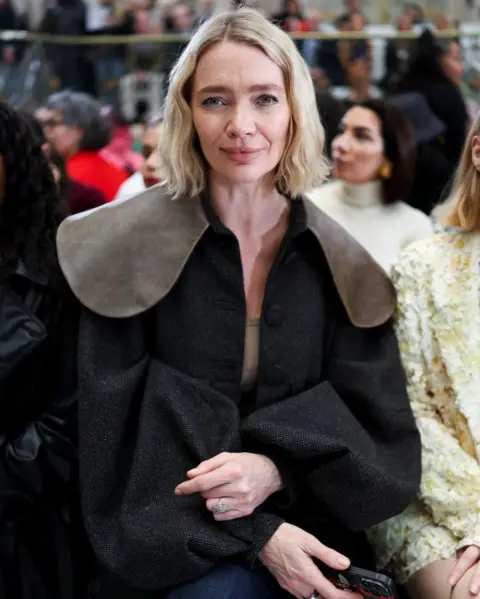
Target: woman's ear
<point x="476" y="152"/>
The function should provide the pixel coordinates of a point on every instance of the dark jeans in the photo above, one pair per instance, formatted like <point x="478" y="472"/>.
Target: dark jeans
<point x="230" y="581"/>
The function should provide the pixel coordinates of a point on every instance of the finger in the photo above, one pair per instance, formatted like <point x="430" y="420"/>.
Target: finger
<point x="230" y="515"/>
<point x="311" y="575"/>
<point x="204" y="482"/>
<point x="328" y="556"/>
<point x="209" y="465"/>
<point x="464" y="563"/>
<point x="228" y="490"/>
<point x="475" y="581"/>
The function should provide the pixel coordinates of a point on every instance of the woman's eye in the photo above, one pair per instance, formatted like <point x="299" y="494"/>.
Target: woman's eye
<point x="266" y="99"/>
<point x="213" y="102"/>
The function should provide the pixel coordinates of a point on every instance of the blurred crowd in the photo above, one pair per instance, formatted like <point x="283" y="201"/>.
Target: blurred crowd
<point x="345" y="65"/>
<point x="249" y="143"/>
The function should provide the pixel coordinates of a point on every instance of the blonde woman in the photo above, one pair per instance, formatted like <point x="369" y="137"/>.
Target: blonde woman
<point x="243" y="410"/>
<point x="434" y="547"/>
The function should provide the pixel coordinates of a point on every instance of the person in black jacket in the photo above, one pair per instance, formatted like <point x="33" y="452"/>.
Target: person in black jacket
<point x="37" y="376"/>
<point x="242" y="404"/>
<point x="436" y="71"/>
<point x="67" y="18"/>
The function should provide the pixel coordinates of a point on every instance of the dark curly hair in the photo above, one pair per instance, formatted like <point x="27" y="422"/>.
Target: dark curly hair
<point x="31" y="210"/>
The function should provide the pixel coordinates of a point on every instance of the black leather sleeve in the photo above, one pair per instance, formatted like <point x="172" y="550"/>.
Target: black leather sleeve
<point x="39" y="460"/>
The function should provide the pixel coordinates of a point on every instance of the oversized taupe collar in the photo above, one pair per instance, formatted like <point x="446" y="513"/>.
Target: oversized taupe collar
<point x="123" y="258"/>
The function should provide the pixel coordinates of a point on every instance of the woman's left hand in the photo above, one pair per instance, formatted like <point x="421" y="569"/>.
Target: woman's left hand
<point x="241" y="481"/>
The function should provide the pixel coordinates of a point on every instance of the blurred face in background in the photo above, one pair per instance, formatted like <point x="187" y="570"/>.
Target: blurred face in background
<point x="452" y="63"/>
<point x="358" y="149"/>
<point x="142" y="22"/>
<point x="359" y="73"/>
<point x="357" y="22"/>
<point x="404" y="22"/>
<point x="64" y="138"/>
<point x="441" y="22"/>
<point x="352" y="5"/>
<point x="151" y="156"/>
<point x="182" y="18"/>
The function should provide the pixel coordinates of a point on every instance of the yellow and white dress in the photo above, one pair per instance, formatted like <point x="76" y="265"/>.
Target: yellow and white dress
<point x="438" y="328"/>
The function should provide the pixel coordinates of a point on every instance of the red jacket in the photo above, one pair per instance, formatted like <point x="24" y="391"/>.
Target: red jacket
<point x="91" y="169"/>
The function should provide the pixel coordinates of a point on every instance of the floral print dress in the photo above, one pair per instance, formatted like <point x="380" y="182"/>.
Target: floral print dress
<point x="438" y="329"/>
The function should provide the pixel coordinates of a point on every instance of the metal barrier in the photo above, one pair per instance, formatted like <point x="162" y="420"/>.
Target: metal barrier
<point x="37" y="75"/>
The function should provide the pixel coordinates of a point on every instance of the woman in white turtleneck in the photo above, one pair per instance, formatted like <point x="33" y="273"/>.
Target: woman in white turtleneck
<point x="373" y="159"/>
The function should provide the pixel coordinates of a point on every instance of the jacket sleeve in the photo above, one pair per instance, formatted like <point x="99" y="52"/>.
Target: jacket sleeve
<point x="40" y="460"/>
<point x="143" y="424"/>
<point x="450" y="485"/>
<point x="355" y="430"/>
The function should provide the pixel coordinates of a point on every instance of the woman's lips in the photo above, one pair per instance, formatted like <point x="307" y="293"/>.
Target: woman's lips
<point x="242" y="156"/>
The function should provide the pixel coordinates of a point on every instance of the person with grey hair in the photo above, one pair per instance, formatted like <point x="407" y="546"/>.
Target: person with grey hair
<point x="149" y="175"/>
<point x="75" y="126"/>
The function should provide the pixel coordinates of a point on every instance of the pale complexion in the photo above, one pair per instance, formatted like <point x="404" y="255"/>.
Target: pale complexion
<point x="64" y="138"/>
<point x="151" y="168"/>
<point x="242" y="118"/>
<point x="358" y="152"/>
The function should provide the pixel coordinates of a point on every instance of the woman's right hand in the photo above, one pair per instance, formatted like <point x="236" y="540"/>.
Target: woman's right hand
<point x="468" y="563"/>
<point x="288" y="557"/>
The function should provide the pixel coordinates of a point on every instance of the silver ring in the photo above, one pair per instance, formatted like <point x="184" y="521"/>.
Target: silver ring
<point x="221" y="508"/>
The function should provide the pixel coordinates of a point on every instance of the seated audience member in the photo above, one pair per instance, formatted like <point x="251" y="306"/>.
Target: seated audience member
<point x="434" y="546"/>
<point x="329" y="60"/>
<point x="353" y="49"/>
<point x="38" y="320"/>
<point x="77" y="196"/>
<point x="373" y="160"/>
<point x="359" y="86"/>
<point x="398" y="54"/>
<point x="436" y="71"/>
<point x="432" y="169"/>
<point x="149" y="174"/>
<point x="120" y="150"/>
<point x="216" y="460"/>
<point x="77" y="131"/>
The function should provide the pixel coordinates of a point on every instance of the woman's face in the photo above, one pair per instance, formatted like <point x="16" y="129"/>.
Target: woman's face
<point x="151" y="156"/>
<point x="358" y="149"/>
<point x="357" y="22"/>
<point x="292" y="7"/>
<point x="240" y="112"/>
<point x="64" y="138"/>
<point x="452" y="63"/>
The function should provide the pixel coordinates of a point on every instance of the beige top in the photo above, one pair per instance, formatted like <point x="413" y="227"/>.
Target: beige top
<point x="251" y="354"/>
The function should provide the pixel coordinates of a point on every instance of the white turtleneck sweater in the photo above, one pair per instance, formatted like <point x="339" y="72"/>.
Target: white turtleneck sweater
<point x="382" y="230"/>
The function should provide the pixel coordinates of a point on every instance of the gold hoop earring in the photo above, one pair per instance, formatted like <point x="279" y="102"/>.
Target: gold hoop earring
<point x="386" y="171"/>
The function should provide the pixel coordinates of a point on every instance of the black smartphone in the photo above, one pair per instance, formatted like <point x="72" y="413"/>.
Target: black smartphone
<point x="367" y="583"/>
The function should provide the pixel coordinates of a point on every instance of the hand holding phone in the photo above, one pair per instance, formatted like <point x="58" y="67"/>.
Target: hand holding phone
<point x="369" y="584"/>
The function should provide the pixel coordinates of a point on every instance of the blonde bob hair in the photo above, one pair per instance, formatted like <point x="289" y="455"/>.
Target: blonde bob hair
<point x="302" y="165"/>
<point x="463" y="208"/>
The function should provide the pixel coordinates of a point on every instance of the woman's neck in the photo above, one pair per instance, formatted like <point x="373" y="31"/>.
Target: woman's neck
<point x="363" y="195"/>
<point x="251" y="209"/>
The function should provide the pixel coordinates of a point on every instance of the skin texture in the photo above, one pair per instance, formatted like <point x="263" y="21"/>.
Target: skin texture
<point x="358" y="149"/>
<point x="151" y="157"/>
<point x="242" y="117"/>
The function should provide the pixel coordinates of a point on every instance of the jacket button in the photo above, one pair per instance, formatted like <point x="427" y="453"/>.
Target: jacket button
<point x="273" y="315"/>
<point x="94" y="589"/>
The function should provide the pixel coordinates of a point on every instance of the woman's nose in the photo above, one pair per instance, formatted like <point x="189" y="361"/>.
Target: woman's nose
<point x="341" y="143"/>
<point x="152" y="162"/>
<point x="241" y="122"/>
